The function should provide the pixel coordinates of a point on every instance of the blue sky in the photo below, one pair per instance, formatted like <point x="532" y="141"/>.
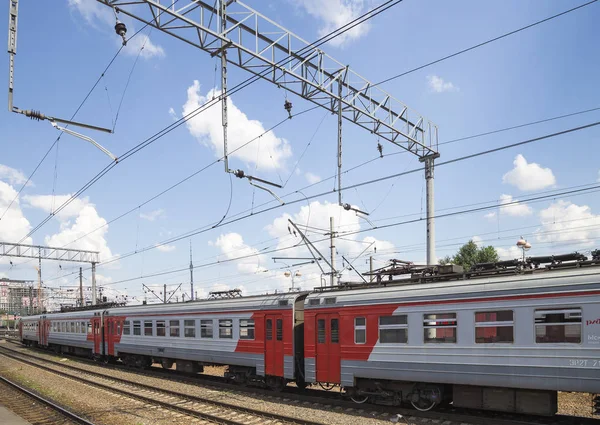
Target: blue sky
<point x="63" y="46"/>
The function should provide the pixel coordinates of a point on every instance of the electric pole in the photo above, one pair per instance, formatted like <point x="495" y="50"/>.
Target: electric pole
<point x="332" y="246"/>
<point x="94" y="301"/>
<point x="371" y="268"/>
<point x="165" y="294"/>
<point x="191" y="274"/>
<point x="80" y="286"/>
<point x="39" y="294"/>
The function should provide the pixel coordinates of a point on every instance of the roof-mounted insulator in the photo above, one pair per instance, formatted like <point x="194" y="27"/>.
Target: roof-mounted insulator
<point x="380" y="149"/>
<point x="239" y="174"/>
<point x="288" y="107"/>
<point x="121" y="29"/>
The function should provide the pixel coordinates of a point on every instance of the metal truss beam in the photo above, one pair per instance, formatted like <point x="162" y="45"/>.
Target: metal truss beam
<point x="261" y="46"/>
<point x="48" y="253"/>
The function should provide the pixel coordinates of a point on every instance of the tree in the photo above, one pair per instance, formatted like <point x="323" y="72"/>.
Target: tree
<point x="470" y="254"/>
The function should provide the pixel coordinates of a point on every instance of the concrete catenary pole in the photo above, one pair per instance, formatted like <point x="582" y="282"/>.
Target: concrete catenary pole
<point x="94" y="298"/>
<point x="80" y="286"/>
<point x="332" y="246"/>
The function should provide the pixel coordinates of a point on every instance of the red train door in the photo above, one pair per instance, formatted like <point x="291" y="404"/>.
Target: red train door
<point x="44" y="331"/>
<point x="274" y="345"/>
<point x="328" y="358"/>
<point x="96" y="334"/>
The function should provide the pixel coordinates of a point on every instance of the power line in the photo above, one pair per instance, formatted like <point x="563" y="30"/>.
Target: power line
<point x="368" y="15"/>
<point x="239" y="217"/>
<point x="484" y="43"/>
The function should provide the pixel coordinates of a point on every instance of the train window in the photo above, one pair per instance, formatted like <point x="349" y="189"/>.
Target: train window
<point x="68" y="327"/>
<point x="189" y="328"/>
<point x="225" y="328"/>
<point x="283" y="302"/>
<point x="269" y="329"/>
<point x="147" y="327"/>
<point x="330" y="300"/>
<point x="89" y="328"/>
<point x="206" y="328"/>
<point x="558" y="325"/>
<point x="494" y="327"/>
<point x="77" y="327"/>
<point x="393" y="329"/>
<point x="82" y="327"/>
<point x="335" y="331"/>
<point x="73" y="329"/>
<point x="119" y="328"/>
<point x="314" y="301"/>
<point x="174" y="328"/>
<point x="160" y="328"/>
<point x="137" y="327"/>
<point x="439" y="328"/>
<point x="360" y="330"/>
<point x="126" y="327"/>
<point x="246" y="329"/>
<point x="321" y="331"/>
<point x="63" y="327"/>
<point x="279" y="330"/>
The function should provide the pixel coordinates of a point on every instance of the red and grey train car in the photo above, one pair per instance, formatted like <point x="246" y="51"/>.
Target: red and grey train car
<point x="505" y="342"/>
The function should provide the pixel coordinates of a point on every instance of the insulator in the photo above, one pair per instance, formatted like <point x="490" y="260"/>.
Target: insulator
<point x="239" y="174"/>
<point x="380" y="149"/>
<point x="288" y="107"/>
<point x="35" y="115"/>
<point x="346" y="207"/>
<point x="121" y="29"/>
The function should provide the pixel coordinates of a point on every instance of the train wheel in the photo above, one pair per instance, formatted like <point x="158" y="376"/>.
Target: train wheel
<point x="358" y="399"/>
<point x="423" y="405"/>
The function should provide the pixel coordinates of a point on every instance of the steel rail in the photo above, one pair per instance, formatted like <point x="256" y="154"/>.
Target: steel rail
<point x="188" y="398"/>
<point x="70" y="415"/>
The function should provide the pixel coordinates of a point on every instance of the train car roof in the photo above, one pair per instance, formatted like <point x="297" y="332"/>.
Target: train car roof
<point x="258" y="302"/>
<point x="475" y="288"/>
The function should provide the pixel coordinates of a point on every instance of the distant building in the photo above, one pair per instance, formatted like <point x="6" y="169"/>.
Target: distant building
<point x="18" y="297"/>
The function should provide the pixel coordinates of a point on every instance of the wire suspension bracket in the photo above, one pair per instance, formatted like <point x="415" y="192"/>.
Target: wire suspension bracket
<point x="33" y="114"/>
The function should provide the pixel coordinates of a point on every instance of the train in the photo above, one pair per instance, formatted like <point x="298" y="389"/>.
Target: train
<point x="504" y="336"/>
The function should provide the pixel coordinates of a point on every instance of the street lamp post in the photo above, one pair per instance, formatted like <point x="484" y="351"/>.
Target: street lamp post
<point x="288" y="273"/>
<point x="524" y="245"/>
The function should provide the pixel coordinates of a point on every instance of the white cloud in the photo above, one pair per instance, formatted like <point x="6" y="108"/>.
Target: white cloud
<point x="94" y="13"/>
<point x="86" y="219"/>
<point x="270" y="152"/>
<point x="49" y="203"/>
<point x="491" y="215"/>
<point x="515" y="209"/>
<point x="564" y="221"/>
<point x="438" y="85"/>
<point x="13" y="225"/>
<point x="312" y="178"/>
<point x="529" y="176"/>
<point x="598" y="176"/>
<point x="12" y="176"/>
<point x="510" y="253"/>
<point x="333" y="14"/>
<point x="153" y="215"/>
<point x="477" y="240"/>
<point x="232" y="246"/>
<point x="165" y="248"/>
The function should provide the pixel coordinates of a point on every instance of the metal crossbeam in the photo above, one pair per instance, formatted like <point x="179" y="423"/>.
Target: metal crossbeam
<point x="261" y="46"/>
<point x="48" y="253"/>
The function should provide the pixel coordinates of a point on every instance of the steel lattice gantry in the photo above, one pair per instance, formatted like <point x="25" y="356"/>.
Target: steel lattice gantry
<point x="8" y="249"/>
<point x="257" y="44"/>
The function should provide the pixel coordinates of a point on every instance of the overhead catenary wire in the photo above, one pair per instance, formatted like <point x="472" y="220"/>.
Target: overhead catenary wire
<point x="229" y="260"/>
<point x="237" y="218"/>
<point x="460" y="52"/>
<point x="368" y="15"/>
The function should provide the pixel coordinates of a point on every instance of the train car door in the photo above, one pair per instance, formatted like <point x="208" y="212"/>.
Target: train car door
<point x="96" y="333"/>
<point x="274" y="345"/>
<point x="328" y="354"/>
<point x="44" y="331"/>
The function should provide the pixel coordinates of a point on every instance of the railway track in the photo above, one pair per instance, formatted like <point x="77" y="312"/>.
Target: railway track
<point x="34" y="408"/>
<point x="199" y="407"/>
<point x="327" y="400"/>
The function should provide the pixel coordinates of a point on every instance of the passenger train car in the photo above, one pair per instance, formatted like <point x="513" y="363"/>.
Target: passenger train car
<point x="504" y="339"/>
